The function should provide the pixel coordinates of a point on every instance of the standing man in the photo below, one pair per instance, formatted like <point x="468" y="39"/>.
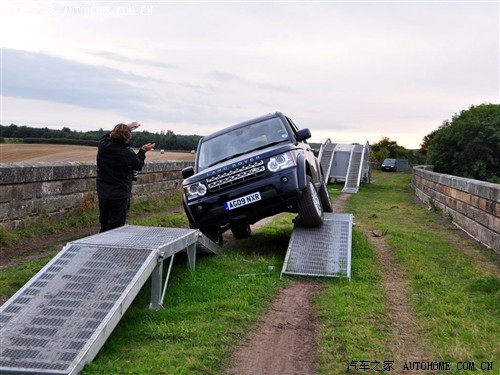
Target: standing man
<point x="116" y="162"/>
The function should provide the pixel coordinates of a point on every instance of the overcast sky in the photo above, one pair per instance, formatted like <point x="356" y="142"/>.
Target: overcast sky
<point x="350" y="71"/>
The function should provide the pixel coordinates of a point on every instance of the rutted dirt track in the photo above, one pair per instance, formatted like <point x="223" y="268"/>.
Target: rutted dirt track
<point x="285" y="342"/>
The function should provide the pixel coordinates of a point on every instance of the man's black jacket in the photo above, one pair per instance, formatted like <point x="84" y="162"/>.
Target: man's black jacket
<point x="116" y="162"/>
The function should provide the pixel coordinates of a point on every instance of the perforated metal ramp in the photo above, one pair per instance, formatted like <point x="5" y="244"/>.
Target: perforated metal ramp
<point x="353" y="174"/>
<point x="322" y="251"/>
<point x="61" y="318"/>
<point x="325" y="156"/>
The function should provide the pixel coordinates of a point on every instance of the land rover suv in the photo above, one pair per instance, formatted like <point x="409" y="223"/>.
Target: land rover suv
<point x="250" y="171"/>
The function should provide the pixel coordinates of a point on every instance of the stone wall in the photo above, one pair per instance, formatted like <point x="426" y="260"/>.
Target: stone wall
<point x="472" y="205"/>
<point x="30" y="192"/>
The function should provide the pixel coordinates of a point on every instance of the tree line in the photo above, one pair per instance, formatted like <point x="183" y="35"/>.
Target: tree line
<point x="467" y="146"/>
<point x="164" y="140"/>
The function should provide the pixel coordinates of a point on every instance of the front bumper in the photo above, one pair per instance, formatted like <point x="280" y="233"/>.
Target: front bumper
<point x="279" y="193"/>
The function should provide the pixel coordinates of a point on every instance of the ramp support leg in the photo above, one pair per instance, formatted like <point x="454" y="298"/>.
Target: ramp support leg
<point x="191" y="253"/>
<point x="157" y="295"/>
<point x="156" y="281"/>
<point x="157" y="292"/>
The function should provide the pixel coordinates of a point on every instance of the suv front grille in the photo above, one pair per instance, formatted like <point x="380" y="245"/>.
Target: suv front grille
<point x="236" y="175"/>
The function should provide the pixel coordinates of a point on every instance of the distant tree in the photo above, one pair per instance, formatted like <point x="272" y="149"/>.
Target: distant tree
<point x="385" y="148"/>
<point x="424" y="146"/>
<point x="469" y="145"/>
<point x="164" y="140"/>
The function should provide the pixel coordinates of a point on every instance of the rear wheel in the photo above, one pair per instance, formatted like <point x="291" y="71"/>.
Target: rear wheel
<point x="309" y="206"/>
<point x="241" y="231"/>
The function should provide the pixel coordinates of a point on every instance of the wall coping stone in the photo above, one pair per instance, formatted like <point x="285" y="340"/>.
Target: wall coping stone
<point x="18" y="173"/>
<point x="483" y="189"/>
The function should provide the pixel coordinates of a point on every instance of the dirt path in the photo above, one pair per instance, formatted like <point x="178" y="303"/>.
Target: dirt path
<point x="408" y="344"/>
<point x="285" y="342"/>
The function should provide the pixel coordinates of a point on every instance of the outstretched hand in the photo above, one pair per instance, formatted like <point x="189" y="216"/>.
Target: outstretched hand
<point x="133" y="125"/>
<point x="148" y="147"/>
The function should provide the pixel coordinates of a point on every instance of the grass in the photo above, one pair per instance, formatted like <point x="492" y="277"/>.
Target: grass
<point x="353" y="315"/>
<point x="455" y="299"/>
<point x="208" y="311"/>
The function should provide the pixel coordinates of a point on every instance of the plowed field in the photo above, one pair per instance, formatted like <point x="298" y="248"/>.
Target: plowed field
<point x="29" y="153"/>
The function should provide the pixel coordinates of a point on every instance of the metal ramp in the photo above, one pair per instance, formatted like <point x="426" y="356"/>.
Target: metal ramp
<point x="60" y="319"/>
<point x="325" y="157"/>
<point x="353" y="173"/>
<point x="359" y="168"/>
<point x="346" y="163"/>
<point x="322" y="251"/>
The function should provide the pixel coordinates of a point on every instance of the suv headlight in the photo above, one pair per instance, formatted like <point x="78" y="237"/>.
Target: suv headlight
<point x="195" y="190"/>
<point x="281" y="161"/>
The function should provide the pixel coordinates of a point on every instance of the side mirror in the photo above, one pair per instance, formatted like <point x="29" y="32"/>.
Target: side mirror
<point x="303" y="134"/>
<point x="187" y="172"/>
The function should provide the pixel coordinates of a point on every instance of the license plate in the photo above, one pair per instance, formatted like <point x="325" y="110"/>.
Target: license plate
<point x="242" y="201"/>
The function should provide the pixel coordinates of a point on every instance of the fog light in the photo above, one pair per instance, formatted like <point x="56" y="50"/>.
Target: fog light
<point x="199" y="208"/>
<point x="284" y="179"/>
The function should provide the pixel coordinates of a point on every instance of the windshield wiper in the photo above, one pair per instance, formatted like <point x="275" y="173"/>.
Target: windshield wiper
<point x="227" y="158"/>
<point x="267" y="145"/>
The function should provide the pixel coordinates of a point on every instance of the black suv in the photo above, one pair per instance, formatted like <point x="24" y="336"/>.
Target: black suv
<point x="250" y="171"/>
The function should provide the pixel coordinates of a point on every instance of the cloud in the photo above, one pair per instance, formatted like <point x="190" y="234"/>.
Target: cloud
<point x="135" y="61"/>
<point x="232" y="78"/>
<point x="35" y="75"/>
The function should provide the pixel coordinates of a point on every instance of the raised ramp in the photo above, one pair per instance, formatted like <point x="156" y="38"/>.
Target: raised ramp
<point x="354" y="172"/>
<point x="322" y="251"/>
<point x="60" y="319"/>
<point x="326" y="156"/>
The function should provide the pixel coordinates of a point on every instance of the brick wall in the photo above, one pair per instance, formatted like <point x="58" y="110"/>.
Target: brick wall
<point x="30" y="192"/>
<point x="472" y="205"/>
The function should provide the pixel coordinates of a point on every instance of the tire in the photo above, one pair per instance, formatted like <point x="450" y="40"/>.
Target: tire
<point x="309" y="206"/>
<point x="241" y="231"/>
<point x="325" y="198"/>
<point x="214" y="234"/>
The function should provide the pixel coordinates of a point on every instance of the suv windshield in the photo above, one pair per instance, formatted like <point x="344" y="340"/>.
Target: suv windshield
<point x="241" y="141"/>
<point x="389" y="162"/>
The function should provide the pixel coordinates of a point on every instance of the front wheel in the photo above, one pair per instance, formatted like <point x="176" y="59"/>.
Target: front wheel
<point x="214" y="234"/>
<point x="325" y="198"/>
<point x="309" y="206"/>
<point x="241" y="231"/>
